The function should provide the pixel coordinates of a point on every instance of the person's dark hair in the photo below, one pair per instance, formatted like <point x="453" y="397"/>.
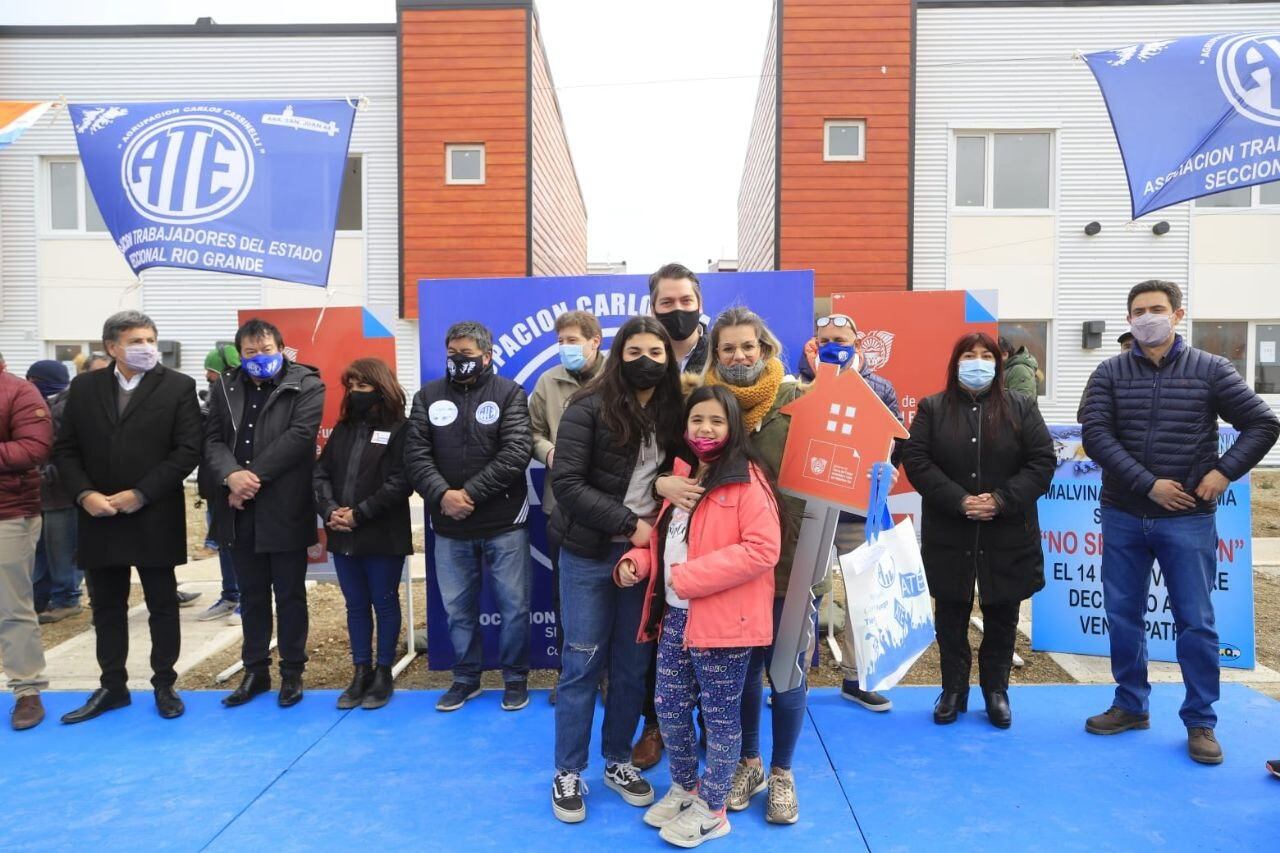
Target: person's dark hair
<point x="122" y="321"/>
<point x="737" y="446"/>
<point x="477" y="332"/>
<point x="389" y="410"/>
<point x="1153" y="285"/>
<point x="675" y="272"/>
<point x="1006" y="347"/>
<point x="620" y="411"/>
<point x="583" y="321"/>
<point x="998" y="413"/>
<point x="259" y="329"/>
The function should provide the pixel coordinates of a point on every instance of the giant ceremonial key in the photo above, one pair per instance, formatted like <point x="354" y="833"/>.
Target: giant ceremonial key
<point x="839" y="429"/>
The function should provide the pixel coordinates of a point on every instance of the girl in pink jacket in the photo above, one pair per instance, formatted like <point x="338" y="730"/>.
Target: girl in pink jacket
<point x="709" y="600"/>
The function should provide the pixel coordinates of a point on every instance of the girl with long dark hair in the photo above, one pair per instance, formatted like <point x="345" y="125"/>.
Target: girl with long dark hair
<point x="709" y="600"/>
<point x="362" y="494"/>
<point x="616" y="436"/>
<point x="980" y="457"/>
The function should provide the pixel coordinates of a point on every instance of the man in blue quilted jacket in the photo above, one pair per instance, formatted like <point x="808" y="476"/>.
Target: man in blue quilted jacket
<point x="1150" y="420"/>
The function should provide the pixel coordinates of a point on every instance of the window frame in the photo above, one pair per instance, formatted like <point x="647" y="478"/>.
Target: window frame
<point x="1250" y="374"/>
<point x="989" y="133"/>
<point x="81" y="231"/>
<point x="364" y="209"/>
<point x="1255" y="204"/>
<point x="827" y="124"/>
<point x="449" y="149"/>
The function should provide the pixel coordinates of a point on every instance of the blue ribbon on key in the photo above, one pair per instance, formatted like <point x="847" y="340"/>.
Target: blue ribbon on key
<point x="878" y="518"/>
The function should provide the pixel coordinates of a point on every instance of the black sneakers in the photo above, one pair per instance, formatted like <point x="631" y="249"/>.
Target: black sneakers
<point x="630" y="785"/>
<point x="457" y="696"/>
<point x="868" y="699"/>
<point x="515" y="695"/>
<point x="1115" y="720"/>
<point x="567" y="790"/>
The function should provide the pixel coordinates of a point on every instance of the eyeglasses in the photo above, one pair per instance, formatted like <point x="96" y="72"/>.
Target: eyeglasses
<point x="748" y="348"/>
<point x="838" y="320"/>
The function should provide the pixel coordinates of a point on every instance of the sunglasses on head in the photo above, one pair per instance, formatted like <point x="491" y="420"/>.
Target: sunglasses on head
<point x="836" y="320"/>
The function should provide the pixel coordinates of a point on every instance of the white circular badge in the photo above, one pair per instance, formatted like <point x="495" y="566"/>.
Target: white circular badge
<point x="487" y="412"/>
<point x="442" y="413"/>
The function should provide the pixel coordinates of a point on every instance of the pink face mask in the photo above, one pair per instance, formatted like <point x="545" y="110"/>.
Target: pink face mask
<point x="706" y="449"/>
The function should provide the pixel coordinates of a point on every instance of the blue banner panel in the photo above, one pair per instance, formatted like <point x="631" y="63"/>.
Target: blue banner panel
<point x="244" y="187"/>
<point x="1068" y="615"/>
<point x="521" y="314"/>
<point x="1195" y="115"/>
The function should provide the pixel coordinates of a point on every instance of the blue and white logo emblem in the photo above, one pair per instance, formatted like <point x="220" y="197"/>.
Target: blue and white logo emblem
<point x="188" y="169"/>
<point x="1249" y="73"/>
<point x="487" y="413"/>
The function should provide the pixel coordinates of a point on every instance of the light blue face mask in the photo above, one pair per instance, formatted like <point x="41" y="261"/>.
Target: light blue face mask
<point x="976" y="374"/>
<point x="572" y="357"/>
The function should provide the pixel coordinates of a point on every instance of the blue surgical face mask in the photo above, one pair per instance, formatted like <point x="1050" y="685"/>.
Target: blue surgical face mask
<point x="834" y="353"/>
<point x="572" y="357"/>
<point x="263" y="365"/>
<point x="976" y="374"/>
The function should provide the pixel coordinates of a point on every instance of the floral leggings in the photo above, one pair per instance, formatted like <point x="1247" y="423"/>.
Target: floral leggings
<point x="714" y="678"/>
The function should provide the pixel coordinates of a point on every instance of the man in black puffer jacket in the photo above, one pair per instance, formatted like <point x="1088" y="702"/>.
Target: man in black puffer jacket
<point x="468" y="444"/>
<point x="1150" y="420"/>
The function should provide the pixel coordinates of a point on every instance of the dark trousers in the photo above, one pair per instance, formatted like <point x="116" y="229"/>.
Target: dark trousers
<point x="109" y="598"/>
<point x="371" y="584"/>
<point x="995" y="655"/>
<point x="258" y="575"/>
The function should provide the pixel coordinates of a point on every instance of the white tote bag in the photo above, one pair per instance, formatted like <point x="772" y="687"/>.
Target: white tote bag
<point x="890" y="616"/>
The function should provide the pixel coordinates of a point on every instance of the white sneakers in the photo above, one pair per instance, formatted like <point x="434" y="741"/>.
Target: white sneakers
<point x="695" y="825"/>
<point x="671" y="806"/>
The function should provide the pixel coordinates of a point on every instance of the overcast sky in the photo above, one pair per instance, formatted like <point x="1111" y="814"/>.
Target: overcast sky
<point x="657" y="98"/>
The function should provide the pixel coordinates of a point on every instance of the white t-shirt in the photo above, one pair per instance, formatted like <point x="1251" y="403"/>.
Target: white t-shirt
<point x="677" y="551"/>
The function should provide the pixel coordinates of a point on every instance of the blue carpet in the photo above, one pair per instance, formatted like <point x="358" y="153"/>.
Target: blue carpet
<point x="312" y="777"/>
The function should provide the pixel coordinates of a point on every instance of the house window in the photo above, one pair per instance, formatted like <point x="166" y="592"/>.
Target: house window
<point x="1227" y="339"/>
<point x="844" y="139"/>
<point x="1010" y="170"/>
<point x="71" y="206"/>
<point x="1243" y="197"/>
<point x="1034" y="335"/>
<point x="351" y="201"/>
<point x="464" y="164"/>
<point x="1267" y="353"/>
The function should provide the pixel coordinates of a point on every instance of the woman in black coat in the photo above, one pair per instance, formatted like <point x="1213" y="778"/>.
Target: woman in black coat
<point x="981" y="457"/>
<point x="362" y="494"/>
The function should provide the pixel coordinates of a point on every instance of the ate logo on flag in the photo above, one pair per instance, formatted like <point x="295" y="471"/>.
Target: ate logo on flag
<point x="188" y="169"/>
<point x="1249" y="73"/>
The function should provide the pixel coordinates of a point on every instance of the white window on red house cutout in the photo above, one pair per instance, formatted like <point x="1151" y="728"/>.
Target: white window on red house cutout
<point x="844" y="139"/>
<point x="464" y="164"/>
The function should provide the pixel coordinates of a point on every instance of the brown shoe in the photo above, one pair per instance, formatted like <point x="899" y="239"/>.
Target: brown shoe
<point x="28" y="712"/>
<point x="1203" y="746"/>
<point x="57" y="614"/>
<point x="648" y="750"/>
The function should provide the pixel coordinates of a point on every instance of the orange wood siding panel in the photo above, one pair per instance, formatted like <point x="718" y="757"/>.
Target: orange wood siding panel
<point x="848" y="221"/>
<point x="559" y="214"/>
<point x="464" y="79"/>
<point x="756" y="193"/>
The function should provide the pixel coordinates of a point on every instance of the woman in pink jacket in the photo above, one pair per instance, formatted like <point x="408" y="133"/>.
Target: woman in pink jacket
<point x="709" y="601"/>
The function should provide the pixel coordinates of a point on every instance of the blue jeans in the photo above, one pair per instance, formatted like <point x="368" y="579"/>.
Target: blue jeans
<point x="230" y="589"/>
<point x="788" y="708"/>
<point x="371" y="584"/>
<point x="1186" y="547"/>
<point x="57" y="579"/>
<point x="459" y="569"/>
<point x="600" y="623"/>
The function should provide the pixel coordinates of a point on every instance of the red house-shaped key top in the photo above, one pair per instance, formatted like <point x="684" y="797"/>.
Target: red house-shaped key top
<point x="839" y="429"/>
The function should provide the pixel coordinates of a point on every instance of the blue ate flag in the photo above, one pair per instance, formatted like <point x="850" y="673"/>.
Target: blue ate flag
<point x="1193" y="116"/>
<point x="245" y="187"/>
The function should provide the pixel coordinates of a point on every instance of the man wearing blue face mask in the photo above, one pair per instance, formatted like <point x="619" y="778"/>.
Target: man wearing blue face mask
<point x="836" y="337"/>
<point x="578" y="337"/>
<point x="1150" y="420"/>
<point x="130" y="434"/>
<point x="260" y="448"/>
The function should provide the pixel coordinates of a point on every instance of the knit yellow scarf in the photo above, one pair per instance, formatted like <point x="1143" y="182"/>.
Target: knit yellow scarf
<point x="757" y="399"/>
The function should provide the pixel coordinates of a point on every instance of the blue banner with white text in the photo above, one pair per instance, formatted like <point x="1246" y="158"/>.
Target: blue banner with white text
<point x="244" y="187"/>
<point x="521" y="314"/>
<point x="1068" y="614"/>
<point x="1194" y="115"/>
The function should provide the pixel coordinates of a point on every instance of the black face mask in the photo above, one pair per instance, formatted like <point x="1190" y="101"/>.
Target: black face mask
<point x="464" y="368"/>
<point x="643" y="373"/>
<point x="360" y="402"/>
<point x="680" y="324"/>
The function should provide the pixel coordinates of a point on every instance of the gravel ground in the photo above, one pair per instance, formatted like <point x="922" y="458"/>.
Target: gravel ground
<point x="1266" y="503"/>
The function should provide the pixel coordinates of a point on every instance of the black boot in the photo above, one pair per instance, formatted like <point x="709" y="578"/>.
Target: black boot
<point x="998" y="711"/>
<point x="949" y="704"/>
<point x="380" y="690"/>
<point x="290" y="690"/>
<point x="354" y="694"/>
<point x="253" y="684"/>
